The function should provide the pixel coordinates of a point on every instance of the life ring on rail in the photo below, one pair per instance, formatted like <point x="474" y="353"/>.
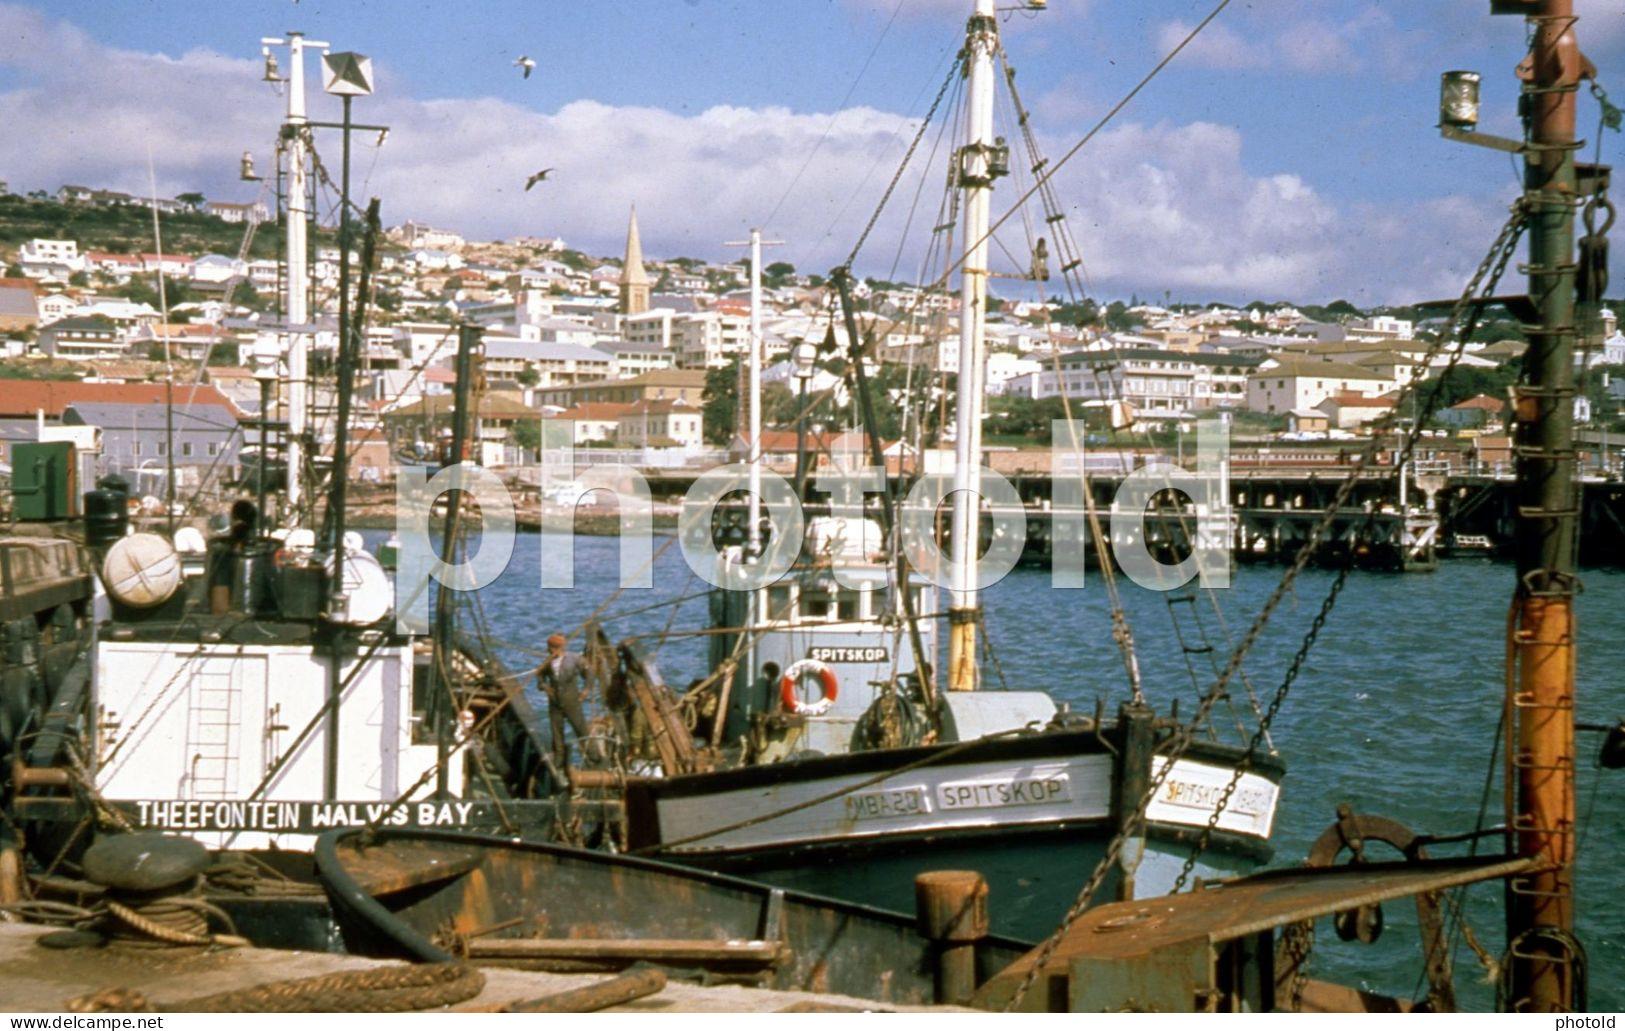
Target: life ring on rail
<point x="826" y="682"/>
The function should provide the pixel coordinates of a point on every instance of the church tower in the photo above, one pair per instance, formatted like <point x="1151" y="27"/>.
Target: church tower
<point x="634" y="281"/>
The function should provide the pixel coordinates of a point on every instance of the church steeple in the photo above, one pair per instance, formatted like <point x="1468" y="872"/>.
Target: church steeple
<point x="634" y="281"/>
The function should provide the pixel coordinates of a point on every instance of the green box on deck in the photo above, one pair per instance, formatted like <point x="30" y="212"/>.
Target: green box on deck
<point x="43" y="481"/>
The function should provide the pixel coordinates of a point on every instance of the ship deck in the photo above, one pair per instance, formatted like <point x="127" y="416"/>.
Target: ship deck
<point x="38" y="979"/>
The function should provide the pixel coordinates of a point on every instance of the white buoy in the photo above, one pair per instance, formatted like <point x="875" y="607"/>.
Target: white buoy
<point x="142" y="571"/>
<point x="368" y="587"/>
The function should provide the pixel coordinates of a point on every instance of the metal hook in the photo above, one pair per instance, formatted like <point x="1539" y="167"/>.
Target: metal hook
<point x="1588" y="216"/>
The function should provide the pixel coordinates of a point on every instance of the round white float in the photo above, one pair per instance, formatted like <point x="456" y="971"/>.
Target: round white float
<point x="142" y="571"/>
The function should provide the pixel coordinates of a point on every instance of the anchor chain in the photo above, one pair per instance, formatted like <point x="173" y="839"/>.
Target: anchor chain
<point x="1482" y="284"/>
<point x="1462" y="317"/>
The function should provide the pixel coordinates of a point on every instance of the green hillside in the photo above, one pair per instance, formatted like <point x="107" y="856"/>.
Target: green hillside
<point x="126" y="230"/>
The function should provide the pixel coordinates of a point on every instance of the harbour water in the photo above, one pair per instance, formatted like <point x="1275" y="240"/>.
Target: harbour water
<point x="1395" y="710"/>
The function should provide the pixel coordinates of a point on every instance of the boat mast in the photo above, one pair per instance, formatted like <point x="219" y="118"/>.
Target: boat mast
<point x="1540" y="910"/>
<point x="296" y="312"/>
<point x="976" y="169"/>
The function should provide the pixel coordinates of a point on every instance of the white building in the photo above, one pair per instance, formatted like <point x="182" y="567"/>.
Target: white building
<point x="709" y="339"/>
<point x="51" y="252"/>
<point x="1298" y="383"/>
<point x="674" y="423"/>
<point x="558" y="364"/>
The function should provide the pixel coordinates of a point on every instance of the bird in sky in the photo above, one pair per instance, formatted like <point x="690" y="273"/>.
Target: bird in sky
<point x="527" y="63"/>
<point x="538" y="177"/>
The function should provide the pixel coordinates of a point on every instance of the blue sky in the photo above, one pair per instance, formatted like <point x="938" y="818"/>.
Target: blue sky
<point x="1290" y="153"/>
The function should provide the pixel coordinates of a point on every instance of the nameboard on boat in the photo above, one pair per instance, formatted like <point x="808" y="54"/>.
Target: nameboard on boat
<point x="1039" y="789"/>
<point x="308" y="817"/>
<point x="832" y="653"/>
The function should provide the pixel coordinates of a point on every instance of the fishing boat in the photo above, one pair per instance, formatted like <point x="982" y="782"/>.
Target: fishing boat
<point x="1247" y="945"/>
<point x="440" y="896"/>
<point x="833" y="758"/>
<point x="255" y="687"/>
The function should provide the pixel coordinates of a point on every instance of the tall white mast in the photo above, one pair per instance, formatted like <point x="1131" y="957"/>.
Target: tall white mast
<point x="976" y="172"/>
<point x="753" y="388"/>
<point x="754" y="531"/>
<point x="296" y="312"/>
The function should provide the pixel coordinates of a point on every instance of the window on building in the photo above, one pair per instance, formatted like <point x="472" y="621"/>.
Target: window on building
<point x="163" y="448"/>
<point x="186" y="448"/>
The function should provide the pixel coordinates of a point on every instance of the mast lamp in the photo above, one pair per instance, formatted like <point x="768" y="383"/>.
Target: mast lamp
<point x="1458" y="113"/>
<point x="1458" y="100"/>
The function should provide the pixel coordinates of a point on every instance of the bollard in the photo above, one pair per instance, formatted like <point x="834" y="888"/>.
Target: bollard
<point x="951" y="910"/>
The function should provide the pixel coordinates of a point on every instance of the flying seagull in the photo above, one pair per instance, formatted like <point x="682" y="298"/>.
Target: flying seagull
<point x="527" y="63"/>
<point x="538" y="177"/>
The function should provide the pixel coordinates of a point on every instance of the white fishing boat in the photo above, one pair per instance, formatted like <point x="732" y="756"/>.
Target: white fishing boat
<point x="839" y="761"/>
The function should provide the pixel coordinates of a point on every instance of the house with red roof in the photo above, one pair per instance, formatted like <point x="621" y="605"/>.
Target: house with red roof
<point x="1480" y="412"/>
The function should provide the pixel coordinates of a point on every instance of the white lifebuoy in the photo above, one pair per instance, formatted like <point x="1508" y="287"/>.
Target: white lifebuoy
<point x="826" y="683"/>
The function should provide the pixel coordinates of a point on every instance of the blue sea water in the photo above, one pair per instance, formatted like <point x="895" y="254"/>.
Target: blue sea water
<point x="1395" y="710"/>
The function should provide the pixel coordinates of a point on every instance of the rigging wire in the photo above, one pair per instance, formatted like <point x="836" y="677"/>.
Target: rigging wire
<point x="835" y="117"/>
<point x="908" y="155"/>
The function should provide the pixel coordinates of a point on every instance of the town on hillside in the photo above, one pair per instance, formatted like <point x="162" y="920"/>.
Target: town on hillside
<point x="642" y="357"/>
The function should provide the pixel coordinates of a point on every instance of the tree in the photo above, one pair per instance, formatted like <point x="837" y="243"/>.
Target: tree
<point x="1469" y="381"/>
<point x="721" y="403"/>
<point x="528" y="376"/>
<point x="191" y="200"/>
<point x="775" y="274"/>
<point x="527" y="433"/>
<point x="1118" y="319"/>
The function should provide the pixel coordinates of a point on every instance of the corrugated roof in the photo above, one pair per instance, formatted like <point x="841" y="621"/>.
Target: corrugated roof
<point x="15" y="301"/>
<point x="198" y="417"/>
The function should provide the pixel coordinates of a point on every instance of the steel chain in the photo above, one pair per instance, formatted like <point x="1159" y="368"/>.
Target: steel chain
<point x="1493" y="265"/>
<point x="1484" y="279"/>
<point x="902" y="166"/>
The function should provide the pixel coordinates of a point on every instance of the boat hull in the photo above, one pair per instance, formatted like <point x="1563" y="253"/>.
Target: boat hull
<point x="433" y="896"/>
<point x="1033" y="814"/>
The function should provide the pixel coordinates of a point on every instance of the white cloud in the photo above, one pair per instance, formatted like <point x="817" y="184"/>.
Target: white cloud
<point x="1172" y="208"/>
<point x="1158" y="207"/>
<point x="1217" y="46"/>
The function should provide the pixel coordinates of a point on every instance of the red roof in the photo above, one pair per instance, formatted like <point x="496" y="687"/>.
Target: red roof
<point x="1483" y="402"/>
<point x="21" y="398"/>
<point x="20" y="284"/>
<point x="779" y="442"/>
